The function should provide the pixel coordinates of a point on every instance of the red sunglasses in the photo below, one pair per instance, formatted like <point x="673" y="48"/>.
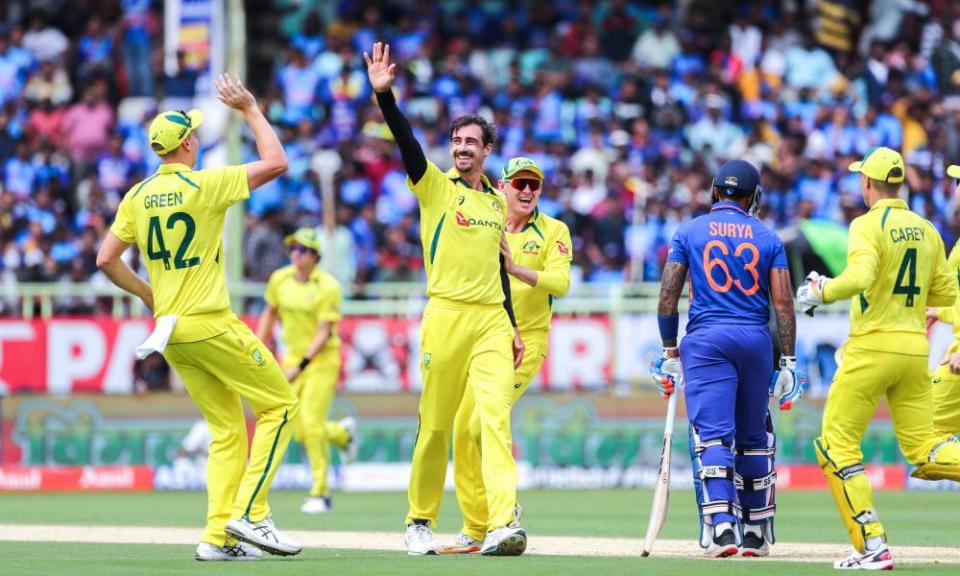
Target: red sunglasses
<point x="520" y="183"/>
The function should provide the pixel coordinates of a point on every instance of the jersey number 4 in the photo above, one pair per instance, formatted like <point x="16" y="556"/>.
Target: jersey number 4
<point x="710" y="262"/>
<point x="157" y="249"/>
<point x="908" y="272"/>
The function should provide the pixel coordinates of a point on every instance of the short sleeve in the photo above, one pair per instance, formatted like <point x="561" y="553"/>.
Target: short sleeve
<point x="678" y="248"/>
<point x="222" y="187"/>
<point x="779" y="255"/>
<point x="272" y="287"/>
<point x="433" y="187"/>
<point x="124" y="226"/>
<point x="330" y="308"/>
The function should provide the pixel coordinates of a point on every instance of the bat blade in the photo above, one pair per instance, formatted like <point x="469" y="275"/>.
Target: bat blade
<point x="661" y="492"/>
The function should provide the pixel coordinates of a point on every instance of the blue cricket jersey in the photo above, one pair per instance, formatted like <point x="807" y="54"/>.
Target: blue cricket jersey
<point x="729" y="255"/>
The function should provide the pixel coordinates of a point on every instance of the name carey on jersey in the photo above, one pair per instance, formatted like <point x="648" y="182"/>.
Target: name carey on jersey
<point x="907" y="234"/>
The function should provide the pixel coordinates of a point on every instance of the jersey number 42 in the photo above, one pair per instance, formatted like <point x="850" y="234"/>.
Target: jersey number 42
<point x="157" y="248"/>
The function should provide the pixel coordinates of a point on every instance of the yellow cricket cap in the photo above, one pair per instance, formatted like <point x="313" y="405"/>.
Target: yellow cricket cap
<point x="519" y="164"/>
<point x="169" y="129"/>
<point x="953" y="171"/>
<point x="306" y="237"/>
<point x="881" y="164"/>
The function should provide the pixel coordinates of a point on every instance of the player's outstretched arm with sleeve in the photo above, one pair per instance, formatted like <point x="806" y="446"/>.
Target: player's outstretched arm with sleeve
<point x="787" y="383"/>
<point x="943" y="288"/>
<point x="108" y="260"/>
<point x="860" y="273"/>
<point x="273" y="160"/>
<point x="382" y="73"/>
<point x="667" y="370"/>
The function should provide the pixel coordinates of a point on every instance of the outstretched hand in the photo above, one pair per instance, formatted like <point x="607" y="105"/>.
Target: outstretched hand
<point x="231" y="91"/>
<point x="379" y="68"/>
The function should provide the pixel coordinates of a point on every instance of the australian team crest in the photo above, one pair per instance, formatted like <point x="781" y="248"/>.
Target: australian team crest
<point x="496" y="206"/>
<point x="257" y="357"/>
<point x="530" y="247"/>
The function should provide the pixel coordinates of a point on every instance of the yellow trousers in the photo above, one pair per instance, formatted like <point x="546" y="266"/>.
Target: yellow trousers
<point x="946" y="398"/>
<point x="218" y="372"/>
<point x="464" y="346"/>
<point x="315" y="388"/>
<point x="467" y="446"/>
<point x="863" y="378"/>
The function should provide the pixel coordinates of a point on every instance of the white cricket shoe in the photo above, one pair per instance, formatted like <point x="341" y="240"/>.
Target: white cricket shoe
<point x="419" y="540"/>
<point x="879" y="559"/>
<point x="317" y="505"/>
<point x="264" y="535"/>
<point x="723" y="545"/>
<point x="353" y="447"/>
<point x="462" y="545"/>
<point x="506" y="541"/>
<point x="754" y="546"/>
<point x="208" y="552"/>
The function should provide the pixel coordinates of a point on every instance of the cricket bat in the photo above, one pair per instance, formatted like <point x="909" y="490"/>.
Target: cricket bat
<point x="661" y="493"/>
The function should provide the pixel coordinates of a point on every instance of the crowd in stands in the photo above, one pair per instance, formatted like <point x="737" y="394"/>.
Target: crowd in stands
<point x="628" y="107"/>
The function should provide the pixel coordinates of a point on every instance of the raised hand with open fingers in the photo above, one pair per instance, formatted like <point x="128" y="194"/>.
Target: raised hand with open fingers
<point x="379" y="68"/>
<point x="231" y="91"/>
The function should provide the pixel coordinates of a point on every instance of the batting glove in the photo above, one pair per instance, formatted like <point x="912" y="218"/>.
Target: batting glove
<point x="666" y="371"/>
<point x="788" y="383"/>
<point x="810" y="294"/>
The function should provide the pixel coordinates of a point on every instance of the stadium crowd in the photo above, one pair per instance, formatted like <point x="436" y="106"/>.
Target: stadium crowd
<point x="628" y="107"/>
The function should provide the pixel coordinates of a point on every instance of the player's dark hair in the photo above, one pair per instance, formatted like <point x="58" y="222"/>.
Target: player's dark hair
<point x="489" y="129"/>
<point x="889" y="187"/>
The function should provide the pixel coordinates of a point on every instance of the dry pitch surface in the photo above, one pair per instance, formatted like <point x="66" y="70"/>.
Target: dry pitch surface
<point x="387" y="541"/>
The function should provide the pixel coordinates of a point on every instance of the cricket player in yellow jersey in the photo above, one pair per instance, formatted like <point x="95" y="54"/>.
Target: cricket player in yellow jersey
<point x="466" y="334"/>
<point x="895" y="268"/>
<point x="175" y="218"/>
<point x="537" y="252"/>
<point x="307" y="302"/>
<point x="946" y="380"/>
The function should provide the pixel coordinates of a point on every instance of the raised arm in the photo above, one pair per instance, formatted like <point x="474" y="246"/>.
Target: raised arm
<point x="381" y="73"/>
<point x="781" y="293"/>
<point x="273" y="160"/>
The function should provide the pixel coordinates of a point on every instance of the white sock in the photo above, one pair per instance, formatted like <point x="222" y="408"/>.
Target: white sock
<point x="721" y="528"/>
<point x="755" y="529"/>
<point x="873" y="543"/>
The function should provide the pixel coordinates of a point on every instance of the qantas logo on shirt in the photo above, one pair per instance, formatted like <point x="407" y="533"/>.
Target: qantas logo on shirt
<point x="562" y="248"/>
<point x="465" y="222"/>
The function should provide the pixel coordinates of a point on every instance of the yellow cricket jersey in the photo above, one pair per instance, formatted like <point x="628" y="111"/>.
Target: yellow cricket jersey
<point x="460" y="229"/>
<point x="895" y="268"/>
<point x="543" y="245"/>
<point x="302" y="305"/>
<point x="951" y="314"/>
<point x="176" y="219"/>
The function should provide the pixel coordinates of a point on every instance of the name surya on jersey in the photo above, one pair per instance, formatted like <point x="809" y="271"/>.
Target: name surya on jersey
<point x="731" y="230"/>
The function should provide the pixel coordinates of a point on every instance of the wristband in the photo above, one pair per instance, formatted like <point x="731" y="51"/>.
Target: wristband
<point x="669" y="326"/>
<point x="304" y="363"/>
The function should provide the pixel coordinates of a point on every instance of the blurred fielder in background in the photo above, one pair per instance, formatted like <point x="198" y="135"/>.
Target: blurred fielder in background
<point x="466" y="331"/>
<point x="895" y="268"/>
<point x="176" y="219"/>
<point x="737" y="267"/>
<point x="537" y="253"/>
<point x="307" y="301"/>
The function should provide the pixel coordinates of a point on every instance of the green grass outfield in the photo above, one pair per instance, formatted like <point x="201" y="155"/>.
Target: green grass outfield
<point x="911" y="518"/>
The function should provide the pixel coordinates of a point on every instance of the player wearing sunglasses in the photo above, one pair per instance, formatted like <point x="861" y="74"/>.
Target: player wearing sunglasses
<point x="537" y="254"/>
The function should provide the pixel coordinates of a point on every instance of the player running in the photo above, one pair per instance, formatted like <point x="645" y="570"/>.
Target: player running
<point x="307" y="300"/>
<point x="895" y="268"/>
<point x="946" y="380"/>
<point x="737" y="266"/>
<point x="466" y="334"/>
<point x="537" y="253"/>
<point x="176" y="219"/>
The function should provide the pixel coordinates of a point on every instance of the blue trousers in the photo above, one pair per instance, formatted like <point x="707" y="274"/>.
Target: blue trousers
<point x="727" y="371"/>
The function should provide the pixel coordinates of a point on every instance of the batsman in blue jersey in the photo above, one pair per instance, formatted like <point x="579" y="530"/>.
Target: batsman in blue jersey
<point x="737" y="267"/>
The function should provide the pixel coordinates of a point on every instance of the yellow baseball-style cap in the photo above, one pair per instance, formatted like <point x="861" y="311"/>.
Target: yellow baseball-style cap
<point x="881" y="164"/>
<point x="953" y="171"/>
<point x="169" y="129"/>
<point x="306" y="237"/>
<point x="518" y="164"/>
